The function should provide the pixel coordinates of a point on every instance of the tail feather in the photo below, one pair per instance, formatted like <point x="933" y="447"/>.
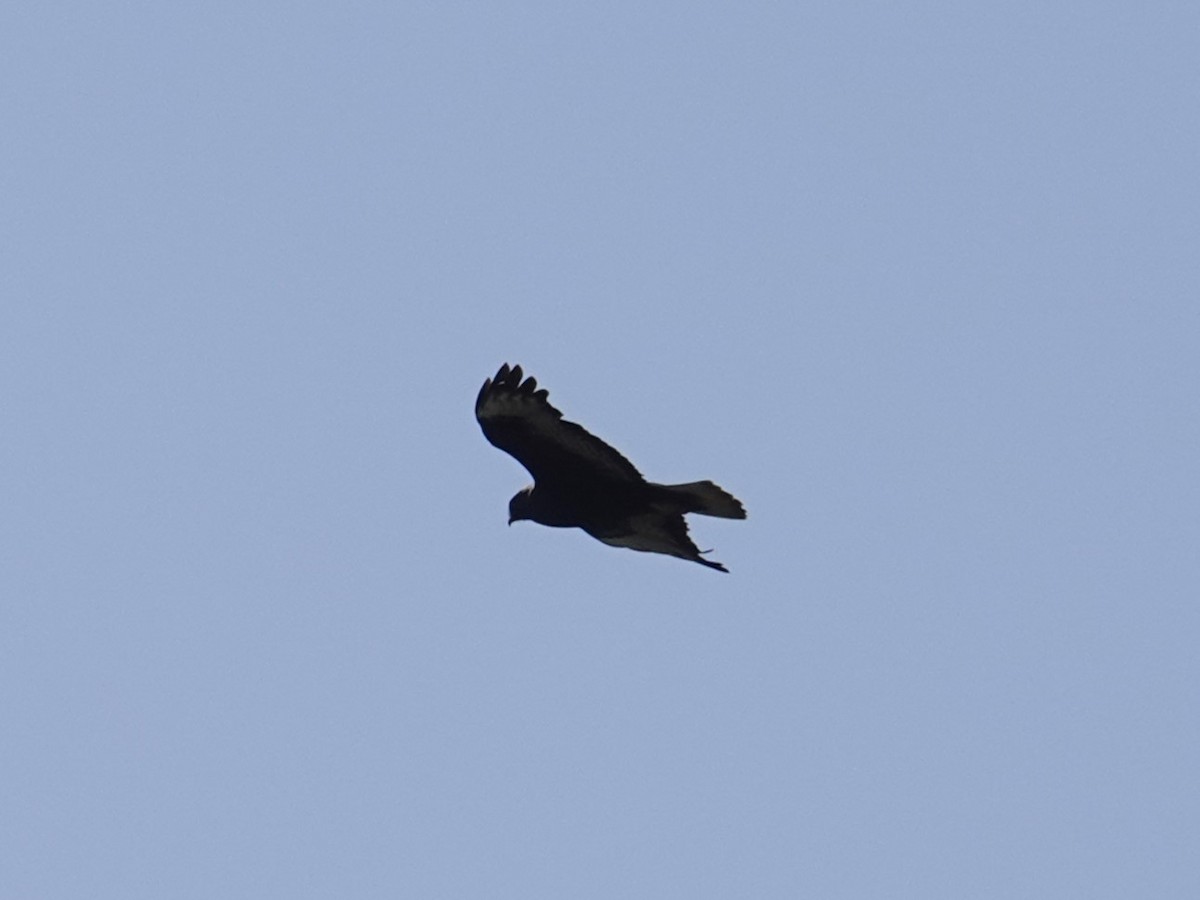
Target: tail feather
<point x="707" y="499"/>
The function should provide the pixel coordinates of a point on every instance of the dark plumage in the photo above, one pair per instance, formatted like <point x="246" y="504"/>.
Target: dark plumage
<point x="581" y="482"/>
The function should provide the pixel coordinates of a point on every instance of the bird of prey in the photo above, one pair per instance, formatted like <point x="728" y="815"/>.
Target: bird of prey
<point x="581" y="482"/>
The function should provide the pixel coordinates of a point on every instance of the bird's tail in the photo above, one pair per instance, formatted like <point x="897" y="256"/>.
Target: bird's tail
<point x="705" y="498"/>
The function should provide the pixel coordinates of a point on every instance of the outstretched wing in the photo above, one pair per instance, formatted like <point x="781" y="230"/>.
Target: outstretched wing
<point x="653" y="531"/>
<point x="516" y="417"/>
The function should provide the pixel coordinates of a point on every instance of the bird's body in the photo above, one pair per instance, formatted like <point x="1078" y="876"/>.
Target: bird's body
<point x="582" y="482"/>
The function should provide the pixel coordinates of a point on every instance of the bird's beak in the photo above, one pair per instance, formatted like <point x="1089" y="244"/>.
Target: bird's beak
<point x="510" y="521"/>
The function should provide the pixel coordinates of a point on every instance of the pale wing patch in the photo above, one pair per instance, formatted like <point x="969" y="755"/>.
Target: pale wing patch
<point x="543" y="421"/>
<point x="651" y="535"/>
<point x="498" y="405"/>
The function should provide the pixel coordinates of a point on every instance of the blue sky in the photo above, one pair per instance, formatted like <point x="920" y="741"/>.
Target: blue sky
<point x="917" y="282"/>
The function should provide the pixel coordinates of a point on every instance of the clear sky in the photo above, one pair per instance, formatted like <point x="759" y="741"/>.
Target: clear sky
<point x="919" y="283"/>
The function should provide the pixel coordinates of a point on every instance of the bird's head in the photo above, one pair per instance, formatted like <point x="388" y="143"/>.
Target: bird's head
<point x="521" y="505"/>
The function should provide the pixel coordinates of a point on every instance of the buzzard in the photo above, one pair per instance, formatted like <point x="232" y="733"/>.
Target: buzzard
<point x="582" y="482"/>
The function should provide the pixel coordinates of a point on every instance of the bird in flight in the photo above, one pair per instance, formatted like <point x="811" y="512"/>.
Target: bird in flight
<point x="581" y="482"/>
